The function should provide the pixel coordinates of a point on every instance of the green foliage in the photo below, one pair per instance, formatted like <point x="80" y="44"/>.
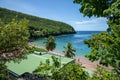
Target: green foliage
<point x="54" y="71"/>
<point x="94" y="7"/>
<point x="69" y="50"/>
<point x="43" y="70"/>
<point x="71" y="72"/>
<point x="50" y="43"/>
<point x="105" y="46"/>
<point x="3" y="71"/>
<point x="13" y="38"/>
<point x="113" y="9"/>
<point x="38" y="27"/>
<point x="33" y="48"/>
<point x="103" y="74"/>
<point x="56" y="62"/>
<point x="46" y="69"/>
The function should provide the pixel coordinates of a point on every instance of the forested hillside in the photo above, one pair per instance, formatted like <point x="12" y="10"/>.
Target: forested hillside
<point x="38" y="27"/>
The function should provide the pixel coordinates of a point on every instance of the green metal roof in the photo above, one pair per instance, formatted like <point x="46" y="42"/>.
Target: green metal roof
<point x="32" y="62"/>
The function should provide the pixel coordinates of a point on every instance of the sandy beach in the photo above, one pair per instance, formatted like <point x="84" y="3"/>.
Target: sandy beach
<point x="79" y="60"/>
<point x="82" y="61"/>
<point x="86" y="63"/>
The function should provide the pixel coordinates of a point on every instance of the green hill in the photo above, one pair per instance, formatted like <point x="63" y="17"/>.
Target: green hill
<point x="39" y="27"/>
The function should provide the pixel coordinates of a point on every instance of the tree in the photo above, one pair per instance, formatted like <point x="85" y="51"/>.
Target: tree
<point x="56" y="62"/>
<point x="94" y="7"/>
<point x="71" y="71"/>
<point x="103" y="74"/>
<point x="50" y="43"/>
<point x="54" y="71"/>
<point x="13" y="39"/>
<point x="46" y="69"/>
<point x="43" y="70"/>
<point x="69" y="50"/>
<point x="13" y="43"/>
<point x="105" y="46"/>
<point x="38" y="27"/>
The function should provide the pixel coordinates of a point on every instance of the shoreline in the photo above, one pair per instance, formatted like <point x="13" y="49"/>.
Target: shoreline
<point x="84" y="62"/>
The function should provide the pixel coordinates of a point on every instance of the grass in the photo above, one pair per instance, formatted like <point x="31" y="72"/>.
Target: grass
<point x="32" y="62"/>
<point x="31" y="49"/>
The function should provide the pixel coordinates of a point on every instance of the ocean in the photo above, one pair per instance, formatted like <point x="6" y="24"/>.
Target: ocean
<point x="76" y="40"/>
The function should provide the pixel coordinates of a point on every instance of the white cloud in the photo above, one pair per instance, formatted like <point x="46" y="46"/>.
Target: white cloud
<point x="92" y="21"/>
<point x="93" y="24"/>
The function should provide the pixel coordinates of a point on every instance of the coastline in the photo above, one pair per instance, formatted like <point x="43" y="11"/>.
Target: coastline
<point x="79" y="60"/>
<point x="84" y="62"/>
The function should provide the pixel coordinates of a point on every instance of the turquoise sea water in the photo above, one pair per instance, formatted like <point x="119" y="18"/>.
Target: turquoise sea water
<point x="76" y="39"/>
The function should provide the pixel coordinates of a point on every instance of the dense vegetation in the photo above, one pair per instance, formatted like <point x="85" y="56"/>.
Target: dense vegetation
<point x="39" y="27"/>
<point x="3" y="71"/>
<point x="14" y="38"/>
<point x="103" y="74"/>
<point x="45" y="69"/>
<point x="70" y="71"/>
<point x="105" y="46"/>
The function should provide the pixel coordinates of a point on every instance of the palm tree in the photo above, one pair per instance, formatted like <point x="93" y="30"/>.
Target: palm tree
<point x="69" y="50"/>
<point x="50" y="43"/>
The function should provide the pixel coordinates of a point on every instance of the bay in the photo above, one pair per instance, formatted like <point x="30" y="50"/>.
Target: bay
<point x="77" y="41"/>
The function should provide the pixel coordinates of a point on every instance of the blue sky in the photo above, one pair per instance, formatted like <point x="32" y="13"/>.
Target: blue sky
<point x="60" y="10"/>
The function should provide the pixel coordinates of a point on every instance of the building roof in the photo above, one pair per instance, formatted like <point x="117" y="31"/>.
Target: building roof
<point x="32" y="62"/>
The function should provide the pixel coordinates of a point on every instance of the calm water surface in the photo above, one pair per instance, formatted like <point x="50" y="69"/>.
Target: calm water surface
<point x="76" y="40"/>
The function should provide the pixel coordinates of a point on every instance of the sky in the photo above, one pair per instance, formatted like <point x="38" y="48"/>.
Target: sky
<point x="59" y="10"/>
